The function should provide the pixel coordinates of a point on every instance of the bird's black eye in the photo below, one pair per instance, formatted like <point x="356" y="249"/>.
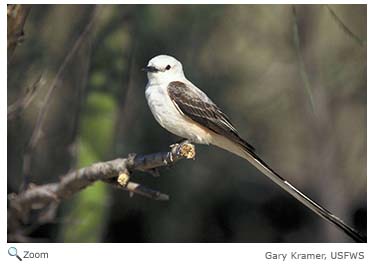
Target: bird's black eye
<point x="168" y="67"/>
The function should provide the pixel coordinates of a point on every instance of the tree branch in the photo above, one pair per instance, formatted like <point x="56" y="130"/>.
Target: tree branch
<point x="37" y="132"/>
<point x="344" y="27"/>
<point x="302" y="66"/>
<point x="21" y="104"/>
<point x="16" y="17"/>
<point x="115" y="172"/>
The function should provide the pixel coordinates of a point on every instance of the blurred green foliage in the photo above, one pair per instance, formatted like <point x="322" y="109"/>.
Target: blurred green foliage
<point x="87" y="215"/>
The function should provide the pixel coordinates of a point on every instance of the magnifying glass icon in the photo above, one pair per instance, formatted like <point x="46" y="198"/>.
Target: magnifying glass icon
<point x="12" y="251"/>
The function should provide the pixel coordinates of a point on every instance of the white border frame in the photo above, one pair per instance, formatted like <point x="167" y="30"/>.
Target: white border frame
<point x="168" y="254"/>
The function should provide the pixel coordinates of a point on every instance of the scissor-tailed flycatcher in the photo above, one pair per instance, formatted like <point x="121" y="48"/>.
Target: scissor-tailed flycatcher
<point x="186" y="111"/>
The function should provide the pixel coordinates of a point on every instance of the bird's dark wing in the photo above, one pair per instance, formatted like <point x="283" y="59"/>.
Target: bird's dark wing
<point x="196" y="106"/>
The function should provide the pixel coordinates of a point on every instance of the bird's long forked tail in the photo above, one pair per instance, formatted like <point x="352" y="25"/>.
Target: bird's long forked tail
<point x="249" y="155"/>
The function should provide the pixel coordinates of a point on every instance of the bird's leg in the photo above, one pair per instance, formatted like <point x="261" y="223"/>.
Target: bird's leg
<point x="176" y="145"/>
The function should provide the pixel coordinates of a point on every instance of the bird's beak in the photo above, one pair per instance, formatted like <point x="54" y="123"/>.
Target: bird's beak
<point x="149" y="69"/>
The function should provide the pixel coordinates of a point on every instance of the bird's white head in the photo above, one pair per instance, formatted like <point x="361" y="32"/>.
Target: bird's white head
<point x="164" y="69"/>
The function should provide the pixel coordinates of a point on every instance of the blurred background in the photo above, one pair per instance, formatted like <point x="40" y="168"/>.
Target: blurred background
<point x="292" y="79"/>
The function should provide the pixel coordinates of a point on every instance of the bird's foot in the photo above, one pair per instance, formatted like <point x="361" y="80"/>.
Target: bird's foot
<point x="179" y="143"/>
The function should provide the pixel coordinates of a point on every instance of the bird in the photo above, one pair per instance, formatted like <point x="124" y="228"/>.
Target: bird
<point x="183" y="109"/>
